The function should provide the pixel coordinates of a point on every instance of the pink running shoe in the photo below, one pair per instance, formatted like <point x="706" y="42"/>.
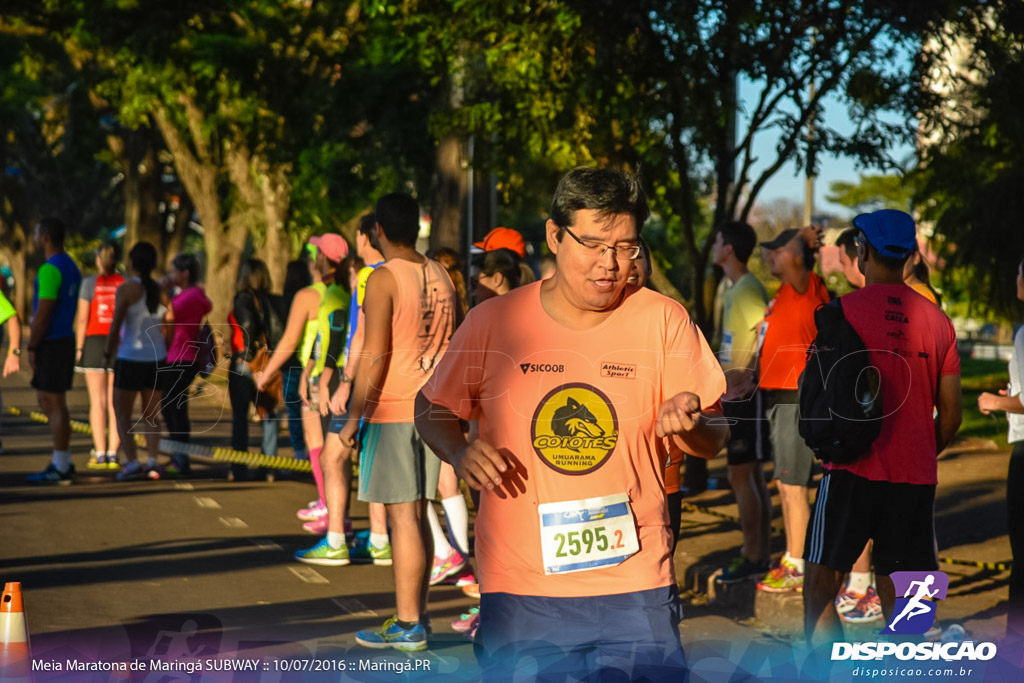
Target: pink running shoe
<point x="466" y="577"/>
<point x="312" y="512"/>
<point x="446" y="566"/>
<point x="317" y="527"/>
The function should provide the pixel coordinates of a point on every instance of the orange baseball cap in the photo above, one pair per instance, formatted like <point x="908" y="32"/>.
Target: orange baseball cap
<point x="503" y="238"/>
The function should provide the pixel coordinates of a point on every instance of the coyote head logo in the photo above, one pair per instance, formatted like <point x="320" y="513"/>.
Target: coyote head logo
<point x="573" y="419"/>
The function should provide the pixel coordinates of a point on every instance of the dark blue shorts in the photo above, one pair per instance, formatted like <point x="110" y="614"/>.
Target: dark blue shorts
<point x="631" y="636"/>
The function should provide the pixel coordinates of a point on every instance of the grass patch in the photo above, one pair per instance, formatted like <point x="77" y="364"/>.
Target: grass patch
<point x="977" y="376"/>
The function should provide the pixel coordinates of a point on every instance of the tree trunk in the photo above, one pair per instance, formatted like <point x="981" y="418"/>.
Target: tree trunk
<point x="450" y="194"/>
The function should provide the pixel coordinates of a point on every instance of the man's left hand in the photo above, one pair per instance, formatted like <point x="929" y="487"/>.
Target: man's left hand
<point x="678" y="415"/>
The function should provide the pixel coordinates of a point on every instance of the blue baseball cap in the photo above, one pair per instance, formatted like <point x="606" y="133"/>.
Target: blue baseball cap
<point x="892" y="233"/>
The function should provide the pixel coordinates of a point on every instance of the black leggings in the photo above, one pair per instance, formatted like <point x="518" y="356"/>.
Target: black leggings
<point x="174" y="405"/>
<point x="1015" y="523"/>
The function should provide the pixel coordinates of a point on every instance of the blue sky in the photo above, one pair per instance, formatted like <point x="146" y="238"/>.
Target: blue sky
<point x="788" y="182"/>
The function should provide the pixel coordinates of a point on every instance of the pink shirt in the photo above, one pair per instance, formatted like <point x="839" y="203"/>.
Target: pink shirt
<point x="912" y="343"/>
<point x="190" y="307"/>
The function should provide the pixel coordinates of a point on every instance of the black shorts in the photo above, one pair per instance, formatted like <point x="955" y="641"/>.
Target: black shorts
<point x="55" y="365"/>
<point x="130" y="375"/>
<point x="749" y="437"/>
<point x="93" y="351"/>
<point x="850" y="510"/>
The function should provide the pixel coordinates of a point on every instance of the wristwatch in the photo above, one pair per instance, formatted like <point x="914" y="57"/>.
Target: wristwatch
<point x="15" y="352"/>
<point x="346" y="379"/>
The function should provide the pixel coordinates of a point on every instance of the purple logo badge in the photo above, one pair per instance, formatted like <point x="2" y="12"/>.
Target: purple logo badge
<point x="914" y="612"/>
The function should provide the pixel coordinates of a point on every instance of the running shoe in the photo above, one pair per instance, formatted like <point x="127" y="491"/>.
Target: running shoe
<point x="112" y="463"/>
<point x="466" y="577"/>
<point x="365" y="551"/>
<point x="742" y="569"/>
<point x="132" y="470"/>
<point x="847" y="600"/>
<point x="465" y="622"/>
<point x="867" y="609"/>
<point x="51" y="476"/>
<point x="314" y="511"/>
<point x="323" y="554"/>
<point x="783" y="579"/>
<point x="97" y="461"/>
<point x="318" y="527"/>
<point x="392" y="635"/>
<point x="446" y="566"/>
<point x="472" y="591"/>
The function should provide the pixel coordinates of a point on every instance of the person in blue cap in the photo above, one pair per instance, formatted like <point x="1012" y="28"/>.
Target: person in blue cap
<point x="888" y="495"/>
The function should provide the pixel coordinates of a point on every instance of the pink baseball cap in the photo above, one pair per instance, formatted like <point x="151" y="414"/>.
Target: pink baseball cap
<point x="332" y="245"/>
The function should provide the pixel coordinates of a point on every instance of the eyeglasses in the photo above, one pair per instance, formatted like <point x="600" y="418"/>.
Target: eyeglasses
<point x="624" y="252"/>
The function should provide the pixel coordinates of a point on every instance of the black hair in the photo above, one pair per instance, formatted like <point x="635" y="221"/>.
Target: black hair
<point x="296" y="277"/>
<point x="741" y="237"/>
<point x="847" y="241"/>
<point x="187" y="263"/>
<point x="887" y="262"/>
<point x="504" y="261"/>
<point x="253" y="276"/>
<point x="398" y="215"/>
<point x="53" y="228"/>
<point x="368" y="227"/>
<point x="922" y="273"/>
<point x="143" y="258"/>
<point x="607" y="191"/>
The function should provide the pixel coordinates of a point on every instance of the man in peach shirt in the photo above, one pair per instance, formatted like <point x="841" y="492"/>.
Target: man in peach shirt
<point x="577" y="383"/>
<point x="410" y="311"/>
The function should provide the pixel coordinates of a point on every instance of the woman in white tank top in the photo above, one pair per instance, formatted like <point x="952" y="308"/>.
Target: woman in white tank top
<point x="136" y="335"/>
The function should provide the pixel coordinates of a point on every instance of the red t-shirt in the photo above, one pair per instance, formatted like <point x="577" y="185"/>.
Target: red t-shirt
<point x="912" y="343"/>
<point x="788" y="330"/>
<point x="101" y="303"/>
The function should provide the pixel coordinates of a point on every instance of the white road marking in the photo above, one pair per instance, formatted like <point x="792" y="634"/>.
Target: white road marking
<point x="183" y="486"/>
<point x="354" y="607"/>
<point x="209" y="503"/>
<point x="308" y="574"/>
<point x="265" y="544"/>
<point x="233" y="523"/>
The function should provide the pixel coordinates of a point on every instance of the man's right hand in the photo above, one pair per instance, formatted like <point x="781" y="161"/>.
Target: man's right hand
<point x="339" y="401"/>
<point x="480" y="465"/>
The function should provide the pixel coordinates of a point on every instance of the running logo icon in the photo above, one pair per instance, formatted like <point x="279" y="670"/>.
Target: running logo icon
<point x="914" y="613"/>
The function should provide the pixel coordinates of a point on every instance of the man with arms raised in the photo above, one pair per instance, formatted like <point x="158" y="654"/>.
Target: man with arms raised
<point x="577" y="383"/>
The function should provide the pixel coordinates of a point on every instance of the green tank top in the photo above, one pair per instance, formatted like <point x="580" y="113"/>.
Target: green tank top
<point x="332" y="298"/>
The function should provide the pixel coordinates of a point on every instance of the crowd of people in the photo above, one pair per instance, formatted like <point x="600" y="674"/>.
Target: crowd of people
<point x="567" y="404"/>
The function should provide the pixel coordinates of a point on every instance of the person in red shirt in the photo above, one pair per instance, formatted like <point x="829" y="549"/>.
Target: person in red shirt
<point x="888" y="495"/>
<point x="786" y="332"/>
<point x="95" y="313"/>
<point x="578" y="383"/>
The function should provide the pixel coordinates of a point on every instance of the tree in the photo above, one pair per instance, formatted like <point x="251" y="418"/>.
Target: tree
<point x="873" y="192"/>
<point x="653" y="85"/>
<point x="972" y="168"/>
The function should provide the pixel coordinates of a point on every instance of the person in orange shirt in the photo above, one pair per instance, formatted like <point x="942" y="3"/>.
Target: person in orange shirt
<point x="786" y="332"/>
<point x="578" y="383"/>
<point x="410" y="312"/>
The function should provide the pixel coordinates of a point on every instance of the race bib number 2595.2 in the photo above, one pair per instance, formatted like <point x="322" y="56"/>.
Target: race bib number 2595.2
<point x="579" y="535"/>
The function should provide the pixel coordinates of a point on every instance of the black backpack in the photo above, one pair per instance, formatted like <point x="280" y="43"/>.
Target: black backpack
<point x="840" y="391"/>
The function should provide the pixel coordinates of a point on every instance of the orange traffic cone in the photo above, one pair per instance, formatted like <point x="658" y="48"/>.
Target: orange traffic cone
<point x="15" y="656"/>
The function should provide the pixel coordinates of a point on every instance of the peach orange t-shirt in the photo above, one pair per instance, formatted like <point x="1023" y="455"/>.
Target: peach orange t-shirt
<point x="789" y="331"/>
<point x="574" y="411"/>
<point x="422" y="323"/>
